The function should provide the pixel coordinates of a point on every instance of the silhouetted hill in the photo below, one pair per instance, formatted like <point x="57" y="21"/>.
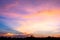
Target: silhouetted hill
<point x="31" y="38"/>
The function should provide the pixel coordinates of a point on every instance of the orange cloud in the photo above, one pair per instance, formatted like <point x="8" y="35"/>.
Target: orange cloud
<point x="47" y="24"/>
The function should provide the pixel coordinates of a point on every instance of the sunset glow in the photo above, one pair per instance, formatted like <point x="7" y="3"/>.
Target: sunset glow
<point x="34" y="17"/>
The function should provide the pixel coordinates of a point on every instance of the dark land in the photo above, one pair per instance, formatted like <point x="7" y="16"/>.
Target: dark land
<point x="27" y="38"/>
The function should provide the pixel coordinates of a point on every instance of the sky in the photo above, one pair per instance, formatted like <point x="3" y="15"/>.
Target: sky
<point x="30" y="16"/>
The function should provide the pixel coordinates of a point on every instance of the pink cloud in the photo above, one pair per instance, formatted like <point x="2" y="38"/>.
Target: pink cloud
<point x="11" y="15"/>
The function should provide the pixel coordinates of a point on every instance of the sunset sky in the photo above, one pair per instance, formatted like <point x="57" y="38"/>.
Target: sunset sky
<point x="30" y="16"/>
